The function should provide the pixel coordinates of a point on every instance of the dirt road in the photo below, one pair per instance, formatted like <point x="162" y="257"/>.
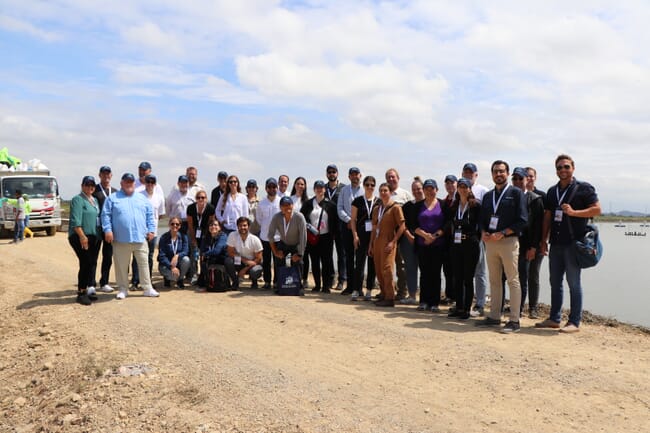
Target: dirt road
<point x="253" y="362"/>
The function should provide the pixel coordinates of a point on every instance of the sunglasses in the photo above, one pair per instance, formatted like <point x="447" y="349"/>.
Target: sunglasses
<point x="565" y="167"/>
<point x="517" y="178"/>
<point x="233" y="181"/>
<point x="201" y="198"/>
<point x="214" y="225"/>
<point x="370" y="185"/>
<point x="332" y="172"/>
<point x="174" y="225"/>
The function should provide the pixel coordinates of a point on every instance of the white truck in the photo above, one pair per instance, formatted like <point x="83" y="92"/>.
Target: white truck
<point x="43" y="192"/>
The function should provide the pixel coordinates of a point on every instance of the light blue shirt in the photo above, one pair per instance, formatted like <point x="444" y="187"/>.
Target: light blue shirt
<point x="344" y="204"/>
<point x="128" y="217"/>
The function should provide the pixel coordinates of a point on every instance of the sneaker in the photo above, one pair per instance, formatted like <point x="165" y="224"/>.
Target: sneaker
<point x="368" y="296"/>
<point x="478" y="311"/>
<point x="355" y="296"/>
<point x="423" y="307"/>
<point x="488" y="322"/>
<point x="121" y="294"/>
<point x="569" y="328"/>
<point x="408" y="301"/>
<point x="434" y="309"/>
<point x="533" y="313"/>
<point x="134" y="287"/>
<point x="106" y="289"/>
<point x="510" y="328"/>
<point x="548" y="323"/>
<point x="83" y="299"/>
<point x="347" y="291"/>
<point x="151" y="293"/>
<point x="92" y="293"/>
<point x="339" y="286"/>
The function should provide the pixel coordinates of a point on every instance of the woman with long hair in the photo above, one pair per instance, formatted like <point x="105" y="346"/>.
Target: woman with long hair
<point x="299" y="197"/>
<point x="232" y="205"/>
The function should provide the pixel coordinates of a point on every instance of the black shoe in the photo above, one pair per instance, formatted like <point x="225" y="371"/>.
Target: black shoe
<point x="488" y="322"/>
<point x="266" y="286"/>
<point x="180" y="284"/>
<point x="254" y="285"/>
<point x="464" y="316"/>
<point x="347" y="291"/>
<point x="166" y="283"/>
<point x="83" y="299"/>
<point x="510" y="328"/>
<point x="454" y="313"/>
<point x="339" y="286"/>
<point x="326" y="290"/>
<point x="315" y="289"/>
<point x="385" y="303"/>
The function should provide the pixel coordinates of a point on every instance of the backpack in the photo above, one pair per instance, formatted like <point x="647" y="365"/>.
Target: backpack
<point x="217" y="279"/>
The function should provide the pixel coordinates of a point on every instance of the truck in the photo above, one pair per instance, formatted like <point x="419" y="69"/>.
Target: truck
<point x="42" y="190"/>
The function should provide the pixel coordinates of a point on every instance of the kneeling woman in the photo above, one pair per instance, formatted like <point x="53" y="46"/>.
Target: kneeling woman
<point x="214" y="247"/>
<point x="173" y="250"/>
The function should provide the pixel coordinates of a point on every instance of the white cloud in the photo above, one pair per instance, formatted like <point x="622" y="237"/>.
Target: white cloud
<point x="13" y="24"/>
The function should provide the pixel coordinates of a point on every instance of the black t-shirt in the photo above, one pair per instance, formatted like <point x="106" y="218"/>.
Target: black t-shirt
<point x="205" y="217"/>
<point x="362" y="212"/>
<point x="580" y="195"/>
<point x="215" y="195"/>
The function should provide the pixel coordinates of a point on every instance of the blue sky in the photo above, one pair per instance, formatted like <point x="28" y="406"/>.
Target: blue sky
<point x="260" y="88"/>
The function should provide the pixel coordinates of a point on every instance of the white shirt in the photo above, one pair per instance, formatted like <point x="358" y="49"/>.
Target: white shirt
<point x="248" y="248"/>
<point x="297" y="202"/>
<point x="234" y="208"/>
<point x="139" y="187"/>
<point x="315" y="216"/>
<point x="479" y="191"/>
<point x="177" y="204"/>
<point x="158" y="204"/>
<point x="263" y="214"/>
<point x="401" y="196"/>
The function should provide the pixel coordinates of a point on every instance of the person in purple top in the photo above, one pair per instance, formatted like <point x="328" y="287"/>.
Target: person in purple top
<point x="430" y="245"/>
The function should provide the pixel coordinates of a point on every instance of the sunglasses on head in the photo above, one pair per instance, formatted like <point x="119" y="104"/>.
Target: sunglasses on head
<point x="565" y="167"/>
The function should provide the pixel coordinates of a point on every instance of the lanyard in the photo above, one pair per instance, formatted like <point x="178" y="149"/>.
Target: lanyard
<point x="369" y="208"/>
<point x="174" y="245"/>
<point x="331" y="193"/>
<point x="103" y="191"/>
<point x="495" y="205"/>
<point x="557" y="194"/>
<point x="461" y="213"/>
<point x="286" y="226"/>
<point x="199" y="215"/>
<point x="380" y="213"/>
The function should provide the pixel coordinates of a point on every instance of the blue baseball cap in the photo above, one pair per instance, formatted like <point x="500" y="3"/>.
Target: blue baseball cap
<point x="430" y="183"/>
<point x="319" y="184"/>
<point x="88" y="180"/>
<point x="451" y="178"/>
<point x="222" y="175"/>
<point x="128" y="177"/>
<point x="271" y="181"/>
<point x="471" y="167"/>
<point x="285" y="200"/>
<point x="150" y="178"/>
<point x="145" y="165"/>
<point x="520" y="171"/>
<point x="465" y="181"/>
<point x="183" y="178"/>
<point x="105" y="169"/>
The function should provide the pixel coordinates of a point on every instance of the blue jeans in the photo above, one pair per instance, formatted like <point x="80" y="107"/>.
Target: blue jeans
<point x="19" y="230"/>
<point x="561" y="261"/>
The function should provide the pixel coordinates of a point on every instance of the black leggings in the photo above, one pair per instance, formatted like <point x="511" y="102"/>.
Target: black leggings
<point x="87" y="260"/>
<point x="464" y="257"/>
<point x="361" y="258"/>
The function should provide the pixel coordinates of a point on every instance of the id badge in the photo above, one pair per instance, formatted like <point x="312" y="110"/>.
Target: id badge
<point x="458" y="236"/>
<point x="237" y="260"/>
<point x="99" y="221"/>
<point x="494" y="222"/>
<point x="368" y="226"/>
<point x="198" y="233"/>
<point x="558" y="215"/>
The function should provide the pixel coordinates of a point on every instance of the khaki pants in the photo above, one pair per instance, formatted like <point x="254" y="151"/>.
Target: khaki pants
<point x="502" y="256"/>
<point x="122" y="258"/>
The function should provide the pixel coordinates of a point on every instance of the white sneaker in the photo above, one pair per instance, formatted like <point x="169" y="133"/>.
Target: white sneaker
<point x="151" y="293"/>
<point x="408" y="301"/>
<point x="121" y="294"/>
<point x="368" y="296"/>
<point x="354" y="296"/>
<point x="106" y="289"/>
<point x="194" y="281"/>
<point x="91" y="291"/>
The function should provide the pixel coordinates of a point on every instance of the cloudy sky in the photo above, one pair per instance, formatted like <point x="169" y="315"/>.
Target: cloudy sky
<point x="263" y="87"/>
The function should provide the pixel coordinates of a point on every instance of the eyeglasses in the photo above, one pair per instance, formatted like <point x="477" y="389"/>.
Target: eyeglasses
<point x="332" y="172"/>
<point x="565" y="167"/>
<point x="201" y="198"/>
<point x="174" y="225"/>
<point x="518" y="178"/>
<point x="233" y="181"/>
<point x="369" y="185"/>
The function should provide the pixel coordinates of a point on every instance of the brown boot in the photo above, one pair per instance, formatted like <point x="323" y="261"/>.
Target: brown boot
<point x="385" y="303"/>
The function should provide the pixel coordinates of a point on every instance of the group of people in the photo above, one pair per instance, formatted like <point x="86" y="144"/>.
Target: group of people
<point x="378" y="232"/>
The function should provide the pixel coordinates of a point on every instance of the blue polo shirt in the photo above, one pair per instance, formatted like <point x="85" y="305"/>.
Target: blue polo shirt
<point x="128" y="217"/>
<point x="580" y="195"/>
<point x="511" y="210"/>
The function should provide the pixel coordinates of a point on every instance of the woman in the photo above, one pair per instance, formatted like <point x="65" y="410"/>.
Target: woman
<point x="322" y="221"/>
<point x="231" y="206"/>
<point x="361" y="227"/>
<point x="430" y="245"/>
<point x="199" y="215"/>
<point x="299" y="197"/>
<point x="83" y="234"/>
<point x="387" y="227"/>
<point x="253" y="201"/>
<point x="214" y="247"/>
<point x="173" y="249"/>
<point x="407" y="247"/>
<point x="464" y="248"/>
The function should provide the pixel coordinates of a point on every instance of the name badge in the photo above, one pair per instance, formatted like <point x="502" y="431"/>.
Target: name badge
<point x="558" y="215"/>
<point x="198" y="233"/>
<point x="99" y="222"/>
<point x="237" y="260"/>
<point x="458" y="236"/>
<point x="368" y="226"/>
<point x="494" y="222"/>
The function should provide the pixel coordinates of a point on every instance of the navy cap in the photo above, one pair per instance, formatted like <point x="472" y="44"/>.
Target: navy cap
<point x="128" y="177"/>
<point x="520" y="171"/>
<point x="332" y="167"/>
<point x="145" y="165"/>
<point x="271" y="181"/>
<point x="451" y="178"/>
<point x="222" y="175"/>
<point x="430" y="183"/>
<point x="285" y="200"/>
<point x="88" y="180"/>
<point x="183" y="178"/>
<point x="251" y="183"/>
<point x="471" y="167"/>
<point x="465" y="181"/>
<point x="354" y="170"/>
<point x="150" y="178"/>
<point x="105" y="169"/>
<point x="319" y="184"/>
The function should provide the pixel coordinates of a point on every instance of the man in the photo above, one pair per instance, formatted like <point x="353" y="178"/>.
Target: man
<point x="470" y="171"/>
<point x="536" y="263"/>
<point x="344" y="210"/>
<point x="266" y="209"/>
<point x="143" y="170"/>
<point x="19" y="217"/>
<point x="244" y="255"/>
<point x="399" y="196"/>
<point x="102" y="190"/>
<point x="503" y="217"/>
<point x="529" y="237"/>
<point x="332" y="192"/>
<point x="569" y="205"/>
<point x="157" y="202"/>
<point x="193" y="186"/>
<point x="292" y="229"/>
<point x="222" y="179"/>
<point x="127" y="222"/>
<point x="451" y="184"/>
<point x="283" y="186"/>
<point x="178" y="201"/>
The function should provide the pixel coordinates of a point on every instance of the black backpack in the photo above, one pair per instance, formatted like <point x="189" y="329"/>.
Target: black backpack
<point x="217" y="279"/>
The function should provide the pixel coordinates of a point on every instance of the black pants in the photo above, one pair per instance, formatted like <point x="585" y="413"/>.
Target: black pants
<point x="430" y="263"/>
<point x="348" y="246"/>
<point x="464" y="257"/>
<point x="87" y="260"/>
<point x="278" y="263"/>
<point x="533" y="281"/>
<point x="361" y="258"/>
<point x="340" y="257"/>
<point x="320" y="256"/>
<point x="267" y="262"/>
<point x="107" y="261"/>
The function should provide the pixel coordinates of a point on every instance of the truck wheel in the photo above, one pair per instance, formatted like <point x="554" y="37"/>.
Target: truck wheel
<point x="51" y="231"/>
